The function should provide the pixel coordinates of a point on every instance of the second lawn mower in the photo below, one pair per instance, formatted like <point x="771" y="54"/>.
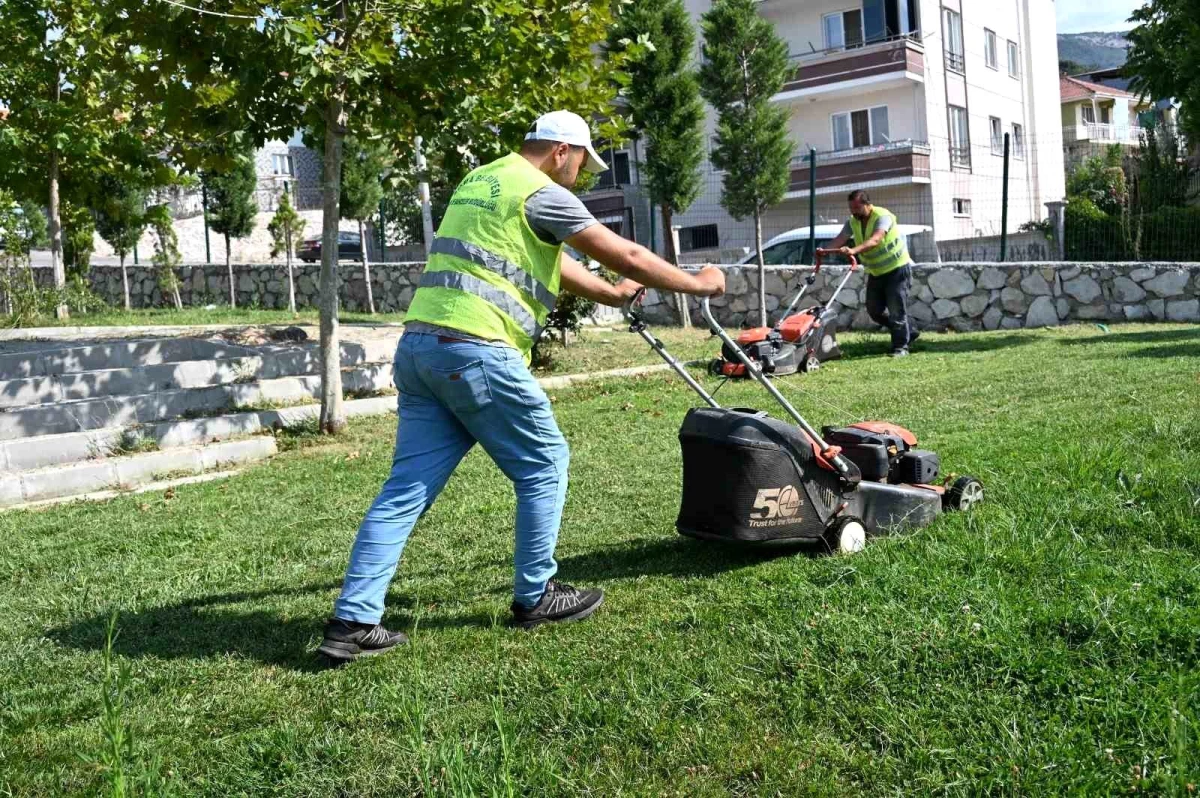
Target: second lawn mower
<point x="749" y="478"/>
<point x="798" y="342"/>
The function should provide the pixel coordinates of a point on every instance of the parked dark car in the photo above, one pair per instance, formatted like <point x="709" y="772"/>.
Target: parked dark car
<point x="349" y="248"/>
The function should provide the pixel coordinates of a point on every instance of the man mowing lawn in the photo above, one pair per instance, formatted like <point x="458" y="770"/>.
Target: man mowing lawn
<point x="494" y="273"/>
<point x="878" y="243"/>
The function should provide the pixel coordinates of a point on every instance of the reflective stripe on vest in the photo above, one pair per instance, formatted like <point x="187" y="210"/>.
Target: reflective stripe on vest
<point x="498" y="265"/>
<point x="507" y="278"/>
<point x="462" y="281"/>
<point x="890" y="254"/>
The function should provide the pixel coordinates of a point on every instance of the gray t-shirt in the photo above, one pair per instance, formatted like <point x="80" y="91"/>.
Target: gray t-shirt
<point x="555" y="214"/>
<point x="883" y="223"/>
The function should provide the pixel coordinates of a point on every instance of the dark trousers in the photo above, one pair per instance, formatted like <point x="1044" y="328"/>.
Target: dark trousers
<point x="887" y="303"/>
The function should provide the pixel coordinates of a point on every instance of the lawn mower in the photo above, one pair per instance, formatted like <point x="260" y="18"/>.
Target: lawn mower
<point x="750" y="478"/>
<point x="797" y="342"/>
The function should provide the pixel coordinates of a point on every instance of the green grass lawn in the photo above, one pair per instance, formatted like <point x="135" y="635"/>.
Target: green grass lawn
<point x="222" y="314"/>
<point x="1045" y="644"/>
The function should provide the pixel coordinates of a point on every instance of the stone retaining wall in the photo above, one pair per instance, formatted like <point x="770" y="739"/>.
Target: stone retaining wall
<point x="970" y="296"/>
<point x="962" y="296"/>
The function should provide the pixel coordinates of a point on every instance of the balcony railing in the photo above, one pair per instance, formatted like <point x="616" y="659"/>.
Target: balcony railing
<point x="1099" y="131"/>
<point x="896" y="161"/>
<point x="819" y="70"/>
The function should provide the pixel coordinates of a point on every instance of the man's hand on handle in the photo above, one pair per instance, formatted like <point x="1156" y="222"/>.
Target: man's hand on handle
<point x="713" y="279"/>
<point x="632" y="260"/>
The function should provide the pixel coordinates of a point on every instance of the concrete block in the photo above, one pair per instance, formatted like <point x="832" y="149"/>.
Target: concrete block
<point x="174" y="404"/>
<point x="219" y="454"/>
<point x="25" y="454"/>
<point x="29" y="391"/>
<point x="146" y="467"/>
<point x="10" y="490"/>
<point x="68" y="480"/>
<point x="186" y="432"/>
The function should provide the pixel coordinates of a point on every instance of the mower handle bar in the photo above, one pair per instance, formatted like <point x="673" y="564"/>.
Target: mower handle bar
<point x="754" y="370"/>
<point x="638" y="325"/>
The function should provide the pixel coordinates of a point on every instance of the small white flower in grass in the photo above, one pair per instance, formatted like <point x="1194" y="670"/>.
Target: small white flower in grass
<point x="975" y="627"/>
<point x="965" y="608"/>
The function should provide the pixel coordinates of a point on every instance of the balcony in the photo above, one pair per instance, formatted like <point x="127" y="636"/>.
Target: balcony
<point x="895" y="163"/>
<point x="893" y="62"/>
<point x="1130" y="135"/>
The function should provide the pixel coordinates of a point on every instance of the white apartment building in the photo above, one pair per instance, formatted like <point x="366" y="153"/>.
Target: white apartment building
<point x="908" y="99"/>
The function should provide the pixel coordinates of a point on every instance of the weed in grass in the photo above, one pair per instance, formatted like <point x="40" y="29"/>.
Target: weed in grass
<point x="124" y="772"/>
<point x="133" y="440"/>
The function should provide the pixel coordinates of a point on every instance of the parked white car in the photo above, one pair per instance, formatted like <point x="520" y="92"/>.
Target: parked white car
<point x="791" y="248"/>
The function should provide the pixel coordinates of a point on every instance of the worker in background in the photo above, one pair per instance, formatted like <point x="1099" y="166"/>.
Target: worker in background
<point x="881" y="250"/>
<point x="495" y="271"/>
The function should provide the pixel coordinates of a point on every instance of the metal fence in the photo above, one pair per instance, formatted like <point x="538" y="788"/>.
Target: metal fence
<point x="958" y="200"/>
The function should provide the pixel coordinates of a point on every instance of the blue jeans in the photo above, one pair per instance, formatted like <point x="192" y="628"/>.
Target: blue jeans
<point x="452" y="395"/>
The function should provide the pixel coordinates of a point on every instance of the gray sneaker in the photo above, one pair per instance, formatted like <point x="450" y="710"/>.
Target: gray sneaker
<point x="901" y="352"/>
<point x="560" y="602"/>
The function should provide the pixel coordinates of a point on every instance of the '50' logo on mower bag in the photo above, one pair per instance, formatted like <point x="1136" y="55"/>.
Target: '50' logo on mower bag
<point x="774" y="506"/>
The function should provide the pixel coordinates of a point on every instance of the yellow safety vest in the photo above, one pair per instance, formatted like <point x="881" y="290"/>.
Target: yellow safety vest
<point x="489" y="275"/>
<point x="890" y="254"/>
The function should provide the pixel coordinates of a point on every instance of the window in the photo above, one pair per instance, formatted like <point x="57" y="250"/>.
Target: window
<point x="860" y="128"/>
<point x="989" y="49"/>
<point x="962" y="207"/>
<point x="1089" y="115"/>
<point x="281" y="164"/>
<point x="786" y="254"/>
<point x="997" y="135"/>
<point x="1018" y="141"/>
<point x="618" y="170"/>
<point x="960" y="137"/>
<point x="702" y="236"/>
<point x="953" y="38"/>
<point x="1014" y="63"/>
<point x="1105" y="115"/>
<point x="843" y="30"/>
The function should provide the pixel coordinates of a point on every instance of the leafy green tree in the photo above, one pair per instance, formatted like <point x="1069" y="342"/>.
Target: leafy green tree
<point x="79" y="229"/>
<point x="362" y="190"/>
<point x="744" y="65"/>
<point x="665" y="107"/>
<point x="1162" y="174"/>
<point x="68" y="107"/>
<point x="231" y="208"/>
<point x="120" y="220"/>
<point x="1164" y="57"/>
<point x="470" y="73"/>
<point x="166" y="251"/>
<point x="1101" y="180"/>
<point x="287" y="231"/>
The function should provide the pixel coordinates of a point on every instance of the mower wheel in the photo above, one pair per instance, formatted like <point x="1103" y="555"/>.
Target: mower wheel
<point x="965" y="493"/>
<point x="846" y="535"/>
<point x="714" y="367"/>
<point x="810" y="363"/>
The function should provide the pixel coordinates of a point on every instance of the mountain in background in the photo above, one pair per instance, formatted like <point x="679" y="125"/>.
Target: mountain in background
<point x="1093" y="50"/>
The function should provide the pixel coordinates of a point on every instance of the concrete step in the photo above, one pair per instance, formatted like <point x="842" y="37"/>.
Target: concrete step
<point x="123" y="411"/>
<point x="35" y="359"/>
<point x="26" y="454"/>
<point x="40" y="376"/>
<point x="74" y="479"/>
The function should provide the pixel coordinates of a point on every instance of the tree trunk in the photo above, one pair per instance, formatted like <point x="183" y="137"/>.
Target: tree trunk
<point x="125" y="283"/>
<point x="362" y="242"/>
<point x="762" y="269"/>
<point x="333" y="417"/>
<point x="229" y="270"/>
<point x="287" y="249"/>
<point x="681" y="302"/>
<point x="56" y="245"/>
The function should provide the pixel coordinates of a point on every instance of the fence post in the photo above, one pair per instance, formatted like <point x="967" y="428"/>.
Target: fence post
<point x="812" y="204"/>
<point x="653" y="243"/>
<point x="1004" y="205"/>
<point x="204" y="213"/>
<point x="382" y="240"/>
<point x="1058" y="221"/>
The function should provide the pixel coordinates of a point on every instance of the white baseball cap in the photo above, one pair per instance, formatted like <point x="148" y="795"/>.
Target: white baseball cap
<point x="569" y="128"/>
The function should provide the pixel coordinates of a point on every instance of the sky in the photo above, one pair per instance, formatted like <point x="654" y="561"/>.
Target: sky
<point x="1077" y="16"/>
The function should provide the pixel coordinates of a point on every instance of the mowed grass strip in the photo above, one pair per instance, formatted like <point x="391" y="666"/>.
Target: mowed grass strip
<point x="1044" y="644"/>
